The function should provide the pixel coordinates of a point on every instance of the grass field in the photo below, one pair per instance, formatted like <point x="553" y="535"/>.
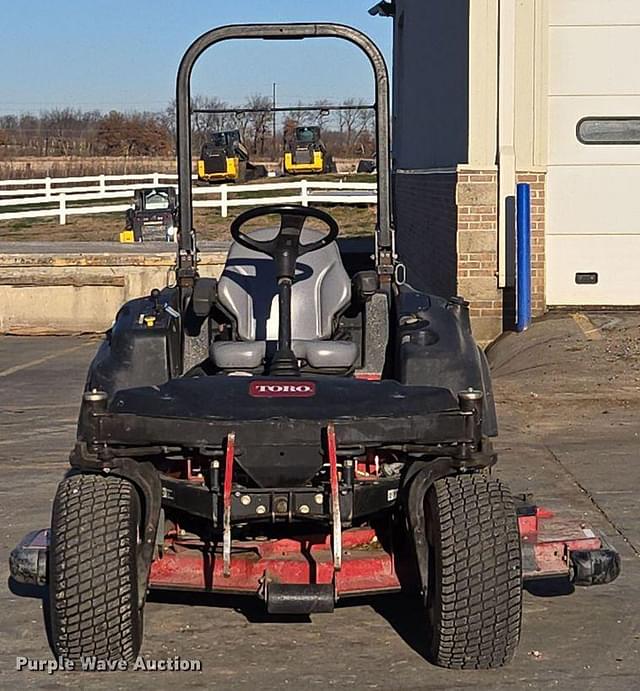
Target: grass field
<point x="70" y="166"/>
<point x="208" y="222"/>
<point x="353" y="220"/>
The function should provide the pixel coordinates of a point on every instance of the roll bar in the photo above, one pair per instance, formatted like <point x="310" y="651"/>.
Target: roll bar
<point x="186" y="264"/>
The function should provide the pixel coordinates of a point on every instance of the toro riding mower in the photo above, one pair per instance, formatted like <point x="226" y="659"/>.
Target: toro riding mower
<point x="224" y="158"/>
<point x="306" y="153"/>
<point x="304" y="430"/>
<point x="152" y="216"/>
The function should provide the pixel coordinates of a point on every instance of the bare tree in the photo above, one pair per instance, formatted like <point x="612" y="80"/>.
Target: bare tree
<point x="64" y="132"/>
<point x="320" y="115"/>
<point x="203" y="124"/>
<point x="353" y="124"/>
<point x="259" y="116"/>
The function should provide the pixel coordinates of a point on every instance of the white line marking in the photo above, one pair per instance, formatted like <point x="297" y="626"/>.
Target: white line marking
<point x="46" y="358"/>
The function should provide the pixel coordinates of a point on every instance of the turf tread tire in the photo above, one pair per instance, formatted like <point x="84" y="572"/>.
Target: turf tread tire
<point x="92" y="569"/>
<point x="474" y="599"/>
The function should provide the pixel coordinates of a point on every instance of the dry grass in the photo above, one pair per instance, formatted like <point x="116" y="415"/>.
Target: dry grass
<point x="71" y="166"/>
<point x="64" y="167"/>
<point x="353" y="220"/>
<point x="208" y="222"/>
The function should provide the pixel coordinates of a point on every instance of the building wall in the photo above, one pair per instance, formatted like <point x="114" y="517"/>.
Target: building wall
<point x="593" y="210"/>
<point x="455" y="208"/>
<point x="426" y="217"/>
<point x="477" y="232"/>
<point x="537" y="180"/>
<point x="483" y="84"/>
<point x="449" y="241"/>
<point x="430" y="83"/>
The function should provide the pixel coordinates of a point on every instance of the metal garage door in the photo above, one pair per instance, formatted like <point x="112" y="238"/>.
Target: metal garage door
<point x="593" y="183"/>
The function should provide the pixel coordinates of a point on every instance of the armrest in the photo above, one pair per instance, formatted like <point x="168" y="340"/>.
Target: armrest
<point x="365" y="284"/>
<point x="204" y="296"/>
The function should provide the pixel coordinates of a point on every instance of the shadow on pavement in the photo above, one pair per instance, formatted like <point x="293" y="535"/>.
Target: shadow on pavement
<point x="38" y="592"/>
<point x="408" y="618"/>
<point x="252" y="608"/>
<point x="549" y="587"/>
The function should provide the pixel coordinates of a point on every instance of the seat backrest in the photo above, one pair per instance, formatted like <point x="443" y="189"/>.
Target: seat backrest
<point x="247" y="290"/>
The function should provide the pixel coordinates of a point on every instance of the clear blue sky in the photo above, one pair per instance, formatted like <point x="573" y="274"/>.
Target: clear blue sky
<point x="123" y="54"/>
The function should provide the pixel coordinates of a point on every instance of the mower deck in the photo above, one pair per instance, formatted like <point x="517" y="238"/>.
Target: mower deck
<point x="555" y="547"/>
<point x="308" y="560"/>
<point x="551" y="548"/>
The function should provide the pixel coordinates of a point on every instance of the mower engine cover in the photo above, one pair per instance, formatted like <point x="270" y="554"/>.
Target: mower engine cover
<point x="279" y="422"/>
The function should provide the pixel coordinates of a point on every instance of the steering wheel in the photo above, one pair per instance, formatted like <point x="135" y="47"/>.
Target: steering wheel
<point x="285" y="247"/>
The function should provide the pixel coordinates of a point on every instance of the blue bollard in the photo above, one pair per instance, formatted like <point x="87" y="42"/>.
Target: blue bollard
<point x="523" y="257"/>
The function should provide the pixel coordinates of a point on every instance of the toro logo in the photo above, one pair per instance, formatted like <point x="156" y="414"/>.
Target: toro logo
<point x="280" y="389"/>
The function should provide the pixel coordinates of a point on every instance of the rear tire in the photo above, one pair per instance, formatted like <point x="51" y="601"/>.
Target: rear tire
<point x="474" y="595"/>
<point x="93" y="569"/>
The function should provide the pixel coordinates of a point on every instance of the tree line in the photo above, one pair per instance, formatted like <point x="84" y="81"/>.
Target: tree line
<point x="73" y="132"/>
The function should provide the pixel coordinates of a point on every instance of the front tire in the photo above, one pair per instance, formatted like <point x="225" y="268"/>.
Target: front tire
<point x="474" y="594"/>
<point x="93" y="569"/>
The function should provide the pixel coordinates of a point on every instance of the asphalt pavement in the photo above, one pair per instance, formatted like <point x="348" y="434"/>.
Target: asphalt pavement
<point x="568" y="395"/>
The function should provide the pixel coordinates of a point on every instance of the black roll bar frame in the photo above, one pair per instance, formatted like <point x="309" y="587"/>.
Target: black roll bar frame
<point x="186" y="266"/>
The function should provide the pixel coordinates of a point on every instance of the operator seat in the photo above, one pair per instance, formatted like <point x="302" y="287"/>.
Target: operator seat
<point x="247" y="290"/>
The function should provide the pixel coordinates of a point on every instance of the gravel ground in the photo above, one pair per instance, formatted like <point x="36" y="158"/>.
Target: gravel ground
<point x="568" y="394"/>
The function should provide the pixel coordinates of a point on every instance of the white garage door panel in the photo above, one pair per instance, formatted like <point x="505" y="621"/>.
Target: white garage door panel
<point x="598" y="12"/>
<point x="566" y="111"/>
<point x="593" y="200"/>
<point x="593" y="190"/>
<point x="616" y="259"/>
<point x="594" y="60"/>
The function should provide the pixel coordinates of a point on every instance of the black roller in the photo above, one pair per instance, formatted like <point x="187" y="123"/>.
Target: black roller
<point x="292" y="598"/>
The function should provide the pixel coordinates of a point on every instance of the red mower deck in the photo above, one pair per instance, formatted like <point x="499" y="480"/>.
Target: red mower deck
<point x="551" y="547"/>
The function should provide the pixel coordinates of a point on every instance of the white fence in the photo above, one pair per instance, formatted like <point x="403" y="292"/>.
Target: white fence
<point x="62" y="197"/>
<point x="48" y="186"/>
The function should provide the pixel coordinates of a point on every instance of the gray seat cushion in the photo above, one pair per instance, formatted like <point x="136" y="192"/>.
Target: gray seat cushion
<point x="248" y="291"/>
<point x="238" y="355"/>
<point x="250" y="355"/>
<point x="327" y="354"/>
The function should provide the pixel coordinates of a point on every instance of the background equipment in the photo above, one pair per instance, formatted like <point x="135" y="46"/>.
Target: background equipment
<point x="152" y="217"/>
<point x="305" y="153"/>
<point x="224" y="158"/>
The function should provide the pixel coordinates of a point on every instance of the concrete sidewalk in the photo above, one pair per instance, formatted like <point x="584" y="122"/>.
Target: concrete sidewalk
<point x="569" y="408"/>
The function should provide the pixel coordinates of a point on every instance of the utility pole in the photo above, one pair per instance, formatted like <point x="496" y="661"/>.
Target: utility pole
<point x="274" y="123"/>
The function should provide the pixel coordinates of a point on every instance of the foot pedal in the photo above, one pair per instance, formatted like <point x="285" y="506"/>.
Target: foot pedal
<point x="292" y="598"/>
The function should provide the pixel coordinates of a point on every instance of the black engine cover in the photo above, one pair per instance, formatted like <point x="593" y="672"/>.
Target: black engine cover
<point x="262" y="398"/>
<point x="278" y="421"/>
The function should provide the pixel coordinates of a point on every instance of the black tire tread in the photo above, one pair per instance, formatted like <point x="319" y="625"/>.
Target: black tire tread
<point x="92" y="569"/>
<point x="477" y="614"/>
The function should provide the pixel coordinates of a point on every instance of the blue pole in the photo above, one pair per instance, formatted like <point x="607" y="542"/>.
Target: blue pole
<point x="523" y="261"/>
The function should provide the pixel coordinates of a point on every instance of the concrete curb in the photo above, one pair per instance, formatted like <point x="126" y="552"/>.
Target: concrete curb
<point x="54" y="288"/>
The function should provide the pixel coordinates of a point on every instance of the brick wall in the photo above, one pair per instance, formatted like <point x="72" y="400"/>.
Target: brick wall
<point x="477" y="241"/>
<point x="448" y="238"/>
<point x="537" y="183"/>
